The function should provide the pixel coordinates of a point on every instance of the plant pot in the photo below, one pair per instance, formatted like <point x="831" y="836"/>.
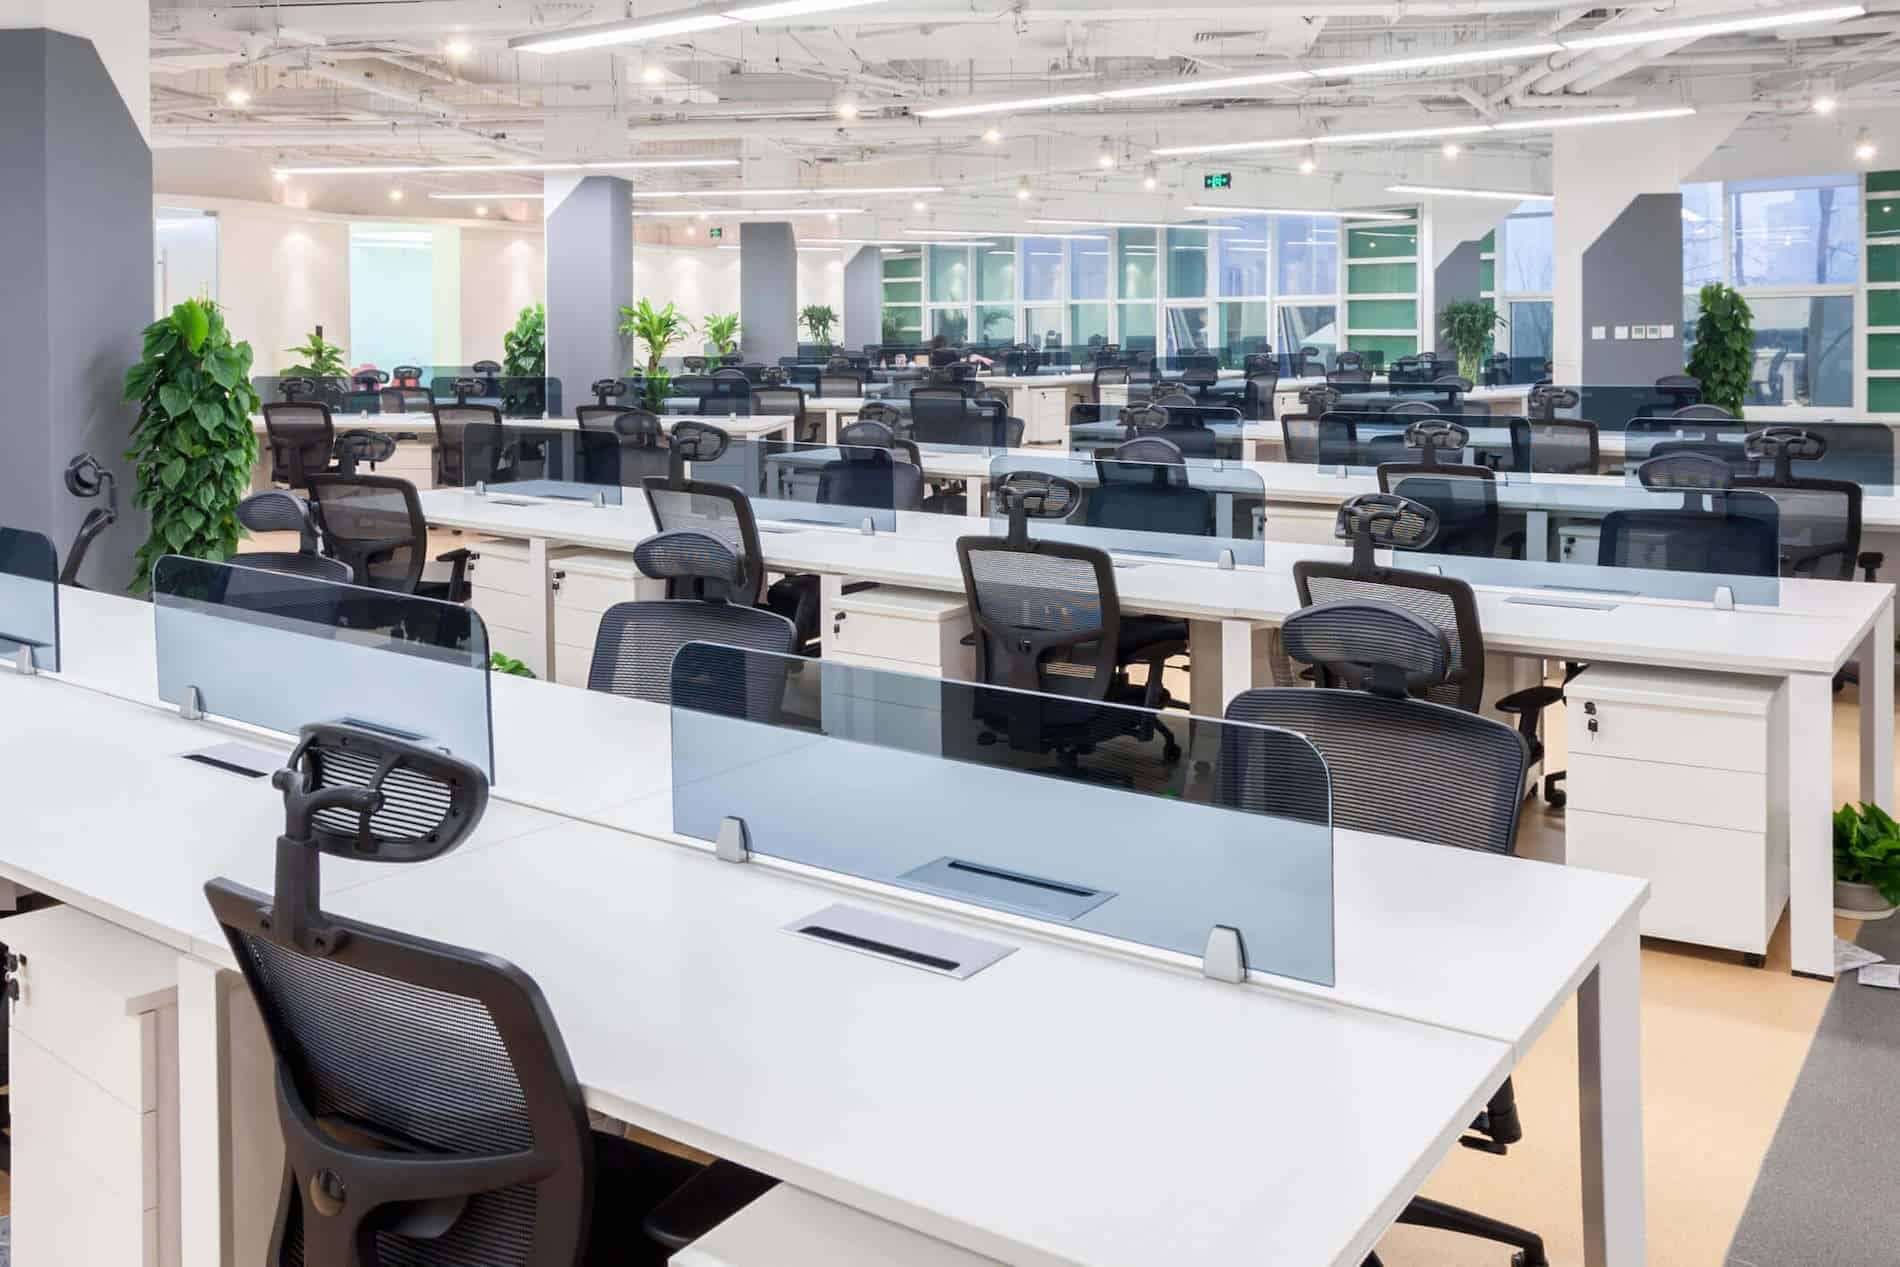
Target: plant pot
<point x="1860" y="901"/>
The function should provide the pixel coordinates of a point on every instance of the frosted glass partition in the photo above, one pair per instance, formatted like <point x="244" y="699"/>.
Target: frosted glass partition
<point x="835" y="484"/>
<point x="515" y="397"/>
<point x="1599" y="541"/>
<point x="29" y="597"/>
<point x="1362" y="438"/>
<point x="1215" y="429"/>
<point x="1862" y="452"/>
<point x="1187" y="511"/>
<point x="1044" y="806"/>
<point x="281" y="651"/>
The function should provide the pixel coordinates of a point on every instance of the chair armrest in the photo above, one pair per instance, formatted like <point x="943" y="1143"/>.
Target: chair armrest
<point x="458" y="577"/>
<point x="705" y="1201"/>
<point x="1870" y="562"/>
<point x="1530" y="701"/>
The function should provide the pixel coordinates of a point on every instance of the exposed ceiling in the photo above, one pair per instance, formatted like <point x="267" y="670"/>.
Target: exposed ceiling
<point x="837" y="99"/>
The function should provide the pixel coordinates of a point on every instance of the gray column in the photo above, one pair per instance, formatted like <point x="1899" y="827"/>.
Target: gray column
<point x="1457" y="279"/>
<point x="768" y="292"/>
<point x="864" y="298"/>
<point x="76" y="267"/>
<point x="589" y="231"/>
<point x="1632" y="276"/>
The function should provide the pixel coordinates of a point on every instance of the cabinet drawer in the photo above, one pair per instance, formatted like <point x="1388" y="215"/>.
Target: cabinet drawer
<point x="910" y="642"/>
<point x="516" y="644"/>
<point x="1708" y="885"/>
<point x="594" y="592"/>
<point x="502" y="566"/>
<point x="498" y="607"/>
<point x="1736" y="799"/>
<point x="79" y="1155"/>
<point x="67" y="1013"/>
<point x="1677" y="736"/>
<point x="576" y="628"/>
<point x="571" y="664"/>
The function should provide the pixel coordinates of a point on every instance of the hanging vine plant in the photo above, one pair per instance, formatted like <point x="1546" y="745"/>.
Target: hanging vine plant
<point x="192" y="447"/>
<point x="1724" y="352"/>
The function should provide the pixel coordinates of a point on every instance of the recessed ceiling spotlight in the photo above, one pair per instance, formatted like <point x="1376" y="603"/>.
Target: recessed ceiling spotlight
<point x="652" y="74"/>
<point x="1825" y="104"/>
<point x="1105" y="157"/>
<point x="1308" y="165"/>
<point x="692" y="230"/>
<point x="481" y="211"/>
<point x="457" y="48"/>
<point x="395" y="195"/>
<point x="847" y="108"/>
<point x="702" y="215"/>
<point x="1864" y="147"/>
<point x="282" y="178"/>
<point x="1451" y="149"/>
<point x="832" y="216"/>
<point x="1148" y="178"/>
<point x="993" y="134"/>
<point x="237" y="88"/>
<point x="917" y="204"/>
<point x="1022" y="188"/>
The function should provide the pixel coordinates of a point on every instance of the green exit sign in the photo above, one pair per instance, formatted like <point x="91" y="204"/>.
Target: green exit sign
<point x="1218" y="180"/>
<point x="715" y="233"/>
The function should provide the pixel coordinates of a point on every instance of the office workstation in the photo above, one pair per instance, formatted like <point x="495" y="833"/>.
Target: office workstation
<point x="817" y="634"/>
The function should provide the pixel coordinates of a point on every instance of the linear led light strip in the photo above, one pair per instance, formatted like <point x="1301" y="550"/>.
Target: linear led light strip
<point x="1321" y="213"/>
<point x="1419" y="134"/>
<point x="1135" y="224"/>
<point x="426" y="169"/>
<point x="684" y="22"/>
<point x="1440" y="191"/>
<point x="731" y="212"/>
<point x="1392" y="66"/>
<point x="825" y="192"/>
<point x="537" y="196"/>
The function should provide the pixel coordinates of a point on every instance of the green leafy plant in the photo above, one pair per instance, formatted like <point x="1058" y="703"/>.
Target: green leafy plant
<point x="1724" y="352"/>
<point x="1867" y="849"/>
<point x="658" y="328"/>
<point x="954" y="327"/>
<point x="192" y="447"/>
<point x="892" y="328"/>
<point x="655" y="386"/>
<point x="524" y="349"/>
<point x="317" y="357"/>
<point x="818" y="320"/>
<point x="500" y="663"/>
<point x="722" y="329"/>
<point x="1467" y="326"/>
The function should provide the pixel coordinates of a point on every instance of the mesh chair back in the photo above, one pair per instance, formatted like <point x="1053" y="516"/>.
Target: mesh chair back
<point x="1162" y="463"/>
<point x="940" y="415"/>
<point x="1559" y="446"/>
<point x="1818" y="522"/>
<point x="405" y="399"/>
<point x="450" y="423"/>
<point x="1689" y="540"/>
<point x="1368" y="646"/>
<point x="1684" y="467"/>
<point x="1470" y="801"/>
<point x="277" y="511"/>
<point x="1257" y="396"/>
<point x="786" y="402"/>
<point x="1465" y="499"/>
<point x="1713" y="413"/>
<point x="1113" y="374"/>
<point x="431" y="1115"/>
<point x="873" y="478"/>
<point x="1299" y="434"/>
<point x="374" y="524"/>
<point x="623" y="446"/>
<point x="302" y="438"/>
<point x="878" y="411"/>
<point x="1545" y="400"/>
<point x="721" y="512"/>
<point x="875" y="433"/>
<point x="1046" y="614"/>
<point x="1685" y="389"/>
<point x="637" y="644"/>
<point x="1349" y="377"/>
<point x="314" y="566"/>
<point x="840" y="385"/>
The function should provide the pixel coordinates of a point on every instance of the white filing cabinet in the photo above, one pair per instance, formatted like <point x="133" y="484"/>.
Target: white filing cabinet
<point x="504" y="589"/>
<point x="1046" y="412"/>
<point x="903" y="630"/>
<point x="585" y="585"/>
<point x="93" y="1043"/>
<point x="1669" y="781"/>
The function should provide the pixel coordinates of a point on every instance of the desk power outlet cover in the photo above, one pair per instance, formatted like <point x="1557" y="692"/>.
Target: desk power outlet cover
<point x="900" y="941"/>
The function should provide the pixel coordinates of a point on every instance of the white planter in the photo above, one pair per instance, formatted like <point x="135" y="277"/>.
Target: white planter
<point x="1860" y="901"/>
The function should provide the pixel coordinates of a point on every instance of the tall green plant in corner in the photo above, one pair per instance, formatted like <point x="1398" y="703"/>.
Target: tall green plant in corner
<point x="818" y="320"/>
<point x="524" y="349"/>
<point x="193" y="447"/>
<point x="1467" y="326"/>
<point x="317" y="357"/>
<point x="1724" y="347"/>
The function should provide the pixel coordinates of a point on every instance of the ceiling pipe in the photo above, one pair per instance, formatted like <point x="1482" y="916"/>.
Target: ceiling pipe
<point x="1634" y="59"/>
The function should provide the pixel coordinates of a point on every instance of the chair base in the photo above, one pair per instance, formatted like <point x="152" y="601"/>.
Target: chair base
<point x="631" y="1181"/>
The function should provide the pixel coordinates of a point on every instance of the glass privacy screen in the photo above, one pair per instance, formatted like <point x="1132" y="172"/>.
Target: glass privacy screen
<point x="279" y="651"/>
<point x="1212" y="429"/>
<point x="1077" y="813"/>
<point x="1167" y="511"/>
<point x="1601" y="539"/>
<point x="1363" y="438"/>
<point x="29" y="597"/>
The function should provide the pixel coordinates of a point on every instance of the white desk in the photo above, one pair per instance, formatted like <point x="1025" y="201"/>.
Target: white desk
<point x="1410" y="945"/>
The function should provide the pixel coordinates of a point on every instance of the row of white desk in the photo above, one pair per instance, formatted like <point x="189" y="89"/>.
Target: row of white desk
<point x="1081" y="1102"/>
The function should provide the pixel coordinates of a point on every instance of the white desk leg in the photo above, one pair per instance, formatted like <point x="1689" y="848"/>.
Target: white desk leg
<point x="1610" y="1095"/>
<point x="1809" y="760"/>
<point x="831" y="426"/>
<point x="973" y="494"/>
<point x="1236" y="659"/>
<point x="204" y="1158"/>
<point x="1537" y="536"/>
<point x="1876" y="711"/>
<point x="541" y="611"/>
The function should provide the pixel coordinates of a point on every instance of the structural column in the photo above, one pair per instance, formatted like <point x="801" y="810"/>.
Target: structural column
<point x="864" y="298"/>
<point x="768" y="291"/>
<point x="75" y="242"/>
<point x="1458" y="226"/>
<point x="589" y="230"/>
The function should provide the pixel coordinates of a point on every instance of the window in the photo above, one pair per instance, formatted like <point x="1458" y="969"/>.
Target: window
<point x="1243" y="330"/>
<point x="1529" y="255"/>
<point x="392" y="295"/>
<point x="1309" y="326"/>
<point x="1531" y="329"/>
<point x="1042" y="269"/>
<point x="1136" y="278"/>
<point x="1525" y="274"/>
<point x="1187" y="263"/>
<point x="1088" y="267"/>
<point x="1088" y="322"/>
<point x="1701" y="234"/>
<point x="949" y="274"/>
<point x="995" y="293"/>
<point x="903" y="297"/>
<point x="1243" y="258"/>
<point x="1804" y="351"/>
<point x="1794" y="237"/>
<point x="186" y="260"/>
<point x="1042" y="325"/>
<point x="1137" y="326"/>
<point x="1187" y="329"/>
<point x="1308" y="249"/>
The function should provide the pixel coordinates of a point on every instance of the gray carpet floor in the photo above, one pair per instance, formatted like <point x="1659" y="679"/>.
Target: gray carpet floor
<point x="1829" y="1190"/>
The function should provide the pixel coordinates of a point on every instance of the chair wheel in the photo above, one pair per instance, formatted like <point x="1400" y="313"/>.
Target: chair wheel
<point x="1557" y="798"/>
<point x="1171" y="752"/>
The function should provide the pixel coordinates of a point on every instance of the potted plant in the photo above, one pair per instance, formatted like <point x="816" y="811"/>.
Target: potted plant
<point x="658" y="328"/>
<point x="524" y="349"/>
<point x="1724" y="352"/>
<point x="818" y="320"/>
<point x="506" y="664"/>
<point x="317" y="357"/>
<point x="192" y="446"/>
<point x="1467" y="326"/>
<point x="722" y="331"/>
<point x="1866" y="862"/>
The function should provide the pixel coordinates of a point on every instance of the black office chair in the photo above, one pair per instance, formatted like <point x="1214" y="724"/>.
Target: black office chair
<point x="1819" y="519"/>
<point x="1462" y="495"/>
<point x="1113" y="375"/>
<point x="1391" y="656"/>
<point x="623" y="447"/>
<point x="1496" y="369"/>
<point x="1708" y="533"/>
<point x="1257" y="395"/>
<point x="374" y="523"/>
<point x="876" y="433"/>
<point x="601" y="413"/>
<point x="1348" y="360"/>
<point x="430" y="1113"/>
<point x="1200" y="376"/>
<point x="302" y="439"/>
<point x="405" y="399"/>
<point x="724" y="513"/>
<point x="1311" y="364"/>
<point x="1681" y="389"/>
<point x="1142" y="485"/>
<point x="636" y="643"/>
<point x="1048" y="625"/>
<point x="1544" y="400"/>
<point x="1355" y="377"/>
<point x="840" y="384"/>
<point x="944" y="415"/>
<point x="1557" y="446"/>
<point x="275" y="510"/>
<point x="882" y="411"/>
<point x="788" y="402"/>
<point x="448" y="457"/>
<point x="871" y="476"/>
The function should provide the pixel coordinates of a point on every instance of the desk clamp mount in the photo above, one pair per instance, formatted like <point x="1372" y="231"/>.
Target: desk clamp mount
<point x="23" y="661"/>
<point x="1225" y="958"/>
<point x="734" y="843"/>
<point x="191" y="706"/>
<point x="1724" y="598"/>
<point x="1225" y="562"/>
<point x="868" y="527"/>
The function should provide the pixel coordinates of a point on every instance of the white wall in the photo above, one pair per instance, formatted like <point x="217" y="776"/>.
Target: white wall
<point x="278" y="276"/>
<point x="821" y="281"/>
<point x="701" y="280"/>
<point x="503" y="271"/>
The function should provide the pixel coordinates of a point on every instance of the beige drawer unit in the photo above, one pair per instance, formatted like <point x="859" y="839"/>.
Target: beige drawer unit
<point x="1669" y="780"/>
<point x="512" y="599"/>
<point x="904" y="630"/>
<point x="93" y="1044"/>
<point x="585" y="585"/>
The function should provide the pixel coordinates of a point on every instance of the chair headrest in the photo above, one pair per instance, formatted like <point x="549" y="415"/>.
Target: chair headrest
<point x="879" y="412"/>
<point x="684" y="554"/>
<point x="1375" y="647"/>
<point x="1686" y="469"/>
<point x="273" y="510"/>
<point x="1555" y="397"/>
<point x="1436" y="435"/>
<point x="486" y="367"/>
<point x="606" y="389"/>
<point x="466" y="387"/>
<point x="1153" y="449"/>
<point x="867" y="433"/>
<point x="1041" y="495"/>
<point x="1149" y="417"/>
<point x="1794" y="442"/>
<point x="295" y="386"/>
<point x="699" y="441"/>
<point x="363" y="794"/>
<point x="1387" y="519"/>
<point x="1319" y="395"/>
<point x="367" y="446"/>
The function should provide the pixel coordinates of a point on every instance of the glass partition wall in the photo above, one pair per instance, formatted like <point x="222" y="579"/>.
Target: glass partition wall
<point x="1230" y="285"/>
